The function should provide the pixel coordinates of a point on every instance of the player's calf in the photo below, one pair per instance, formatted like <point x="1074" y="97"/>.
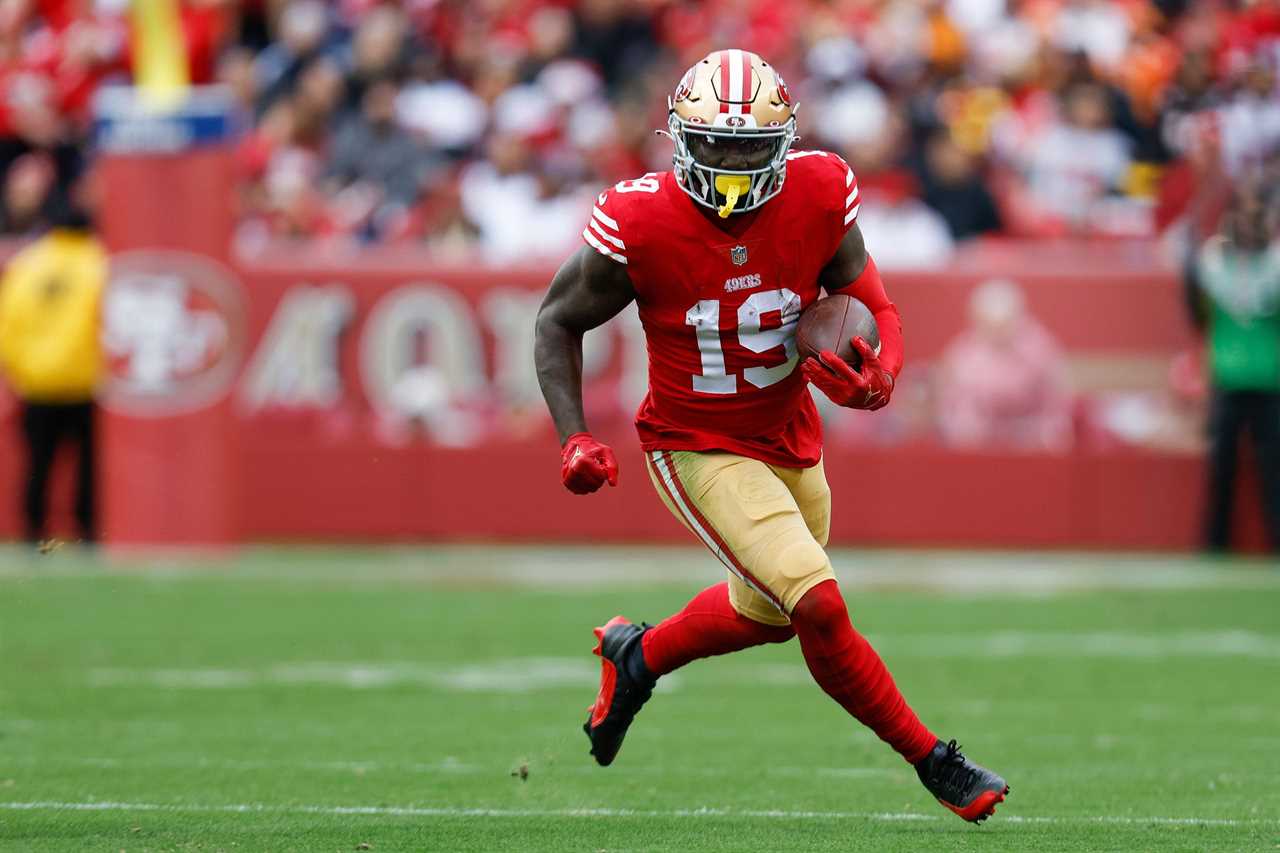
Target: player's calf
<point x="850" y="671"/>
<point x="625" y="685"/>
<point x="968" y="789"/>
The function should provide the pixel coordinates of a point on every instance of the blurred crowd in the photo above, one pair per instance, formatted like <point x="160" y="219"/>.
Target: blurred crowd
<point x="485" y="126"/>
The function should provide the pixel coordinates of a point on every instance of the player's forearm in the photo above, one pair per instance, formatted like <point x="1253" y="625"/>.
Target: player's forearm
<point x="557" y="354"/>
<point x="891" y="345"/>
<point x="869" y="288"/>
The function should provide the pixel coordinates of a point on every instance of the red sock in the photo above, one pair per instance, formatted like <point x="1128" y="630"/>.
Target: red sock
<point x="708" y="625"/>
<point x="849" y="670"/>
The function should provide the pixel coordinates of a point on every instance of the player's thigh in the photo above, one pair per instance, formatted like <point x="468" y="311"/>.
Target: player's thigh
<point x="812" y="495"/>
<point x="742" y="510"/>
<point x="744" y="598"/>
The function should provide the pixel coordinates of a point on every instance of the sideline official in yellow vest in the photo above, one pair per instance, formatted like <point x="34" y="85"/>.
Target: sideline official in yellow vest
<point x="50" y="302"/>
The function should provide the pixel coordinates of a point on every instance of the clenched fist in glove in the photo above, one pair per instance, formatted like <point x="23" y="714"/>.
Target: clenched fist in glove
<point x="869" y="388"/>
<point x="586" y="464"/>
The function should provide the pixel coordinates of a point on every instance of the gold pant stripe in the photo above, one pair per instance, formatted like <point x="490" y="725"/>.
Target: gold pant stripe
<point x="695" y="521"/>
<point x="666" y="477"/>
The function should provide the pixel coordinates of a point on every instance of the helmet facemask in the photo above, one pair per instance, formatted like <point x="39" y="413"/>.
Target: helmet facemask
<point x="758" y="156"/>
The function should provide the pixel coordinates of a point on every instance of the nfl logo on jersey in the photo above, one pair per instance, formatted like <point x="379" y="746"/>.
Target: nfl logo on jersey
<point x="738" y="254"/>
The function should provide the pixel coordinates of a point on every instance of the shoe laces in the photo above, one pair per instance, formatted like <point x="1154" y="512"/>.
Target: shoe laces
<point x="953" y="770"/>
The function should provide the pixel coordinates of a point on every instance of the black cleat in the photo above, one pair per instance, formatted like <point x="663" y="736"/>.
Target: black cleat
<point x="625" y="685"/>
<point x="968" y="789"/>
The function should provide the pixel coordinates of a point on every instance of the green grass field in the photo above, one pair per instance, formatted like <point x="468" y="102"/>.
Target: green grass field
<point x="431" y="699"/>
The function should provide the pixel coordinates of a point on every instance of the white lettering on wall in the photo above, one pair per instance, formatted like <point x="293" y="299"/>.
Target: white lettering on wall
<point x="296" y="363"/>
<point x="420" y="357"/>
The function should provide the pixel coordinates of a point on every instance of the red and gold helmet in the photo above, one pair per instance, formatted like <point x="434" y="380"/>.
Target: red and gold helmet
<point x="733" y="121"/>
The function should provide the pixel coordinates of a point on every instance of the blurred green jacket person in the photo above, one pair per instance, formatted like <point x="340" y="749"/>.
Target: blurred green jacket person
<point x="50" y="302"/>
<point x="1242" y="292"/>
<point x="1233" y="289"/>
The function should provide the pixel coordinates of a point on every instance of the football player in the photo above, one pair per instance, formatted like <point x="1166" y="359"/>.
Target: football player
<point x="721" y="254"/>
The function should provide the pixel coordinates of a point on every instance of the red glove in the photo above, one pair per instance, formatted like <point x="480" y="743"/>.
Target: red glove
<point x="586" y="464"/>
<point x="869" y="388"/>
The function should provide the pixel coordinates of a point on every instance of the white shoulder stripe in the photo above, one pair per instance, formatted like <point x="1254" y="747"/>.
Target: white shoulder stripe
<point x="853" y="196"/>
<point x="852" y="214"/>
<point x="601" y="248"/>
<point x="605" y="219"/>
<point x="848" y="177"/>
<point x="608" y="238"/>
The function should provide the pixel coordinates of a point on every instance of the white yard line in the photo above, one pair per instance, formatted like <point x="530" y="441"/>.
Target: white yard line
<point x="528" y="674"/>
<point x="449" y="765"/>
<point x="450" y="811"/>
<point x="452" y="766"/>
<point x="1136" y="709"/>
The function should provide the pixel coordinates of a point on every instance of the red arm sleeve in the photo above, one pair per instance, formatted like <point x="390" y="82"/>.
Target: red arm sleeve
<point x="868" y="288"/>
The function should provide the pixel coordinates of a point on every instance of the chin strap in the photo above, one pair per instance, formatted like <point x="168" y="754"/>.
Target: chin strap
<point x="731" y="187"/>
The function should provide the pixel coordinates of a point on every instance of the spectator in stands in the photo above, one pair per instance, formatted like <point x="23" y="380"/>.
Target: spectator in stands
<point x="28" y="186"/>
<point x="375" y="166"/>
<point x="40" y="155"/>
<point x="1250" y="121"/>
<point x="304" y="33"/>
<point x="50" y="298"/>
<point x="954" y="188"/>
<point x="1002" y="382"/>
<point x="429" y="94"/>
<point x="515" y="205"/>
<point x="316" y="101"/>
<point x="446" y="230"/>
<point x="1071" y="107"/>
<point x="1078" y="160"/>
<point x="1097" y="29"/>
<point x="1191" y="93"/>
<point x="280" y="198"/>
<point x="236" y="70"/>
<point x="380" y="50"/>
<point x="1233" y="288"/>
<point x="615" y="36"/>
<point x="903" y="231"/>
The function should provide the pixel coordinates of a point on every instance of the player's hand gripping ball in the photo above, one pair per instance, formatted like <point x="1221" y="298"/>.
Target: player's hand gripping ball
<point x="846" y="369"/>
<point x="868" y="388"/>
<point x="586" y="464"/>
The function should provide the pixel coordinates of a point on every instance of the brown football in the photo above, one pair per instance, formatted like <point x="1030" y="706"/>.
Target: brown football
<point x="832" y="323"/>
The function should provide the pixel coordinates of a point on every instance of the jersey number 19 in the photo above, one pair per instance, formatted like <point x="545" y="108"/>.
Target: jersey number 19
<point x="705" y="318"/>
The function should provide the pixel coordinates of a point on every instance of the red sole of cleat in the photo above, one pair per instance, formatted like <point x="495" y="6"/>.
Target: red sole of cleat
<point x="981" y="808"/>
<point x="599" y="632"/>
<point x="599" y="709"/>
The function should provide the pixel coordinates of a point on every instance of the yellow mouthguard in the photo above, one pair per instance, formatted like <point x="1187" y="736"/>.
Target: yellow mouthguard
<point x="731" y="187"/>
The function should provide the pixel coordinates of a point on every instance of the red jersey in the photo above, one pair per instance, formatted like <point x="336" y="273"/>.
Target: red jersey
<point x="719" y="301"/>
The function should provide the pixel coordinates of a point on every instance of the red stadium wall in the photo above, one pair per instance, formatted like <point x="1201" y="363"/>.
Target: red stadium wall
<point x="313" y="436"/>
<point x="508" y="487"/>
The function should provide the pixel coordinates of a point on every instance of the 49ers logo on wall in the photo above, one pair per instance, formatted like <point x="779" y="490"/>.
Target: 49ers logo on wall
<point x="173" y="332"/>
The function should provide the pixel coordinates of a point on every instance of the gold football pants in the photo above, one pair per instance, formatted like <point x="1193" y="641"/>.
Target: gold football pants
<point x="767" y="524"/>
